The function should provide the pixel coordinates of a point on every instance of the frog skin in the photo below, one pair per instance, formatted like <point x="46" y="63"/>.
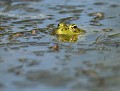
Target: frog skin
<point x="62" y="24"/>
<point x="62" y="29"/>
<point x="75" y="30"/>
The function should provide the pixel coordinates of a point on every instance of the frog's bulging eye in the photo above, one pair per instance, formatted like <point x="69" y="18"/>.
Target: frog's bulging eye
<point x="58" y="25"/>
<point x="74" y="26"/>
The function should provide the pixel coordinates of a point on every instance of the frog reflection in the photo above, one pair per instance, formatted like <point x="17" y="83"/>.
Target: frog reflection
<point x="67" y="38"/>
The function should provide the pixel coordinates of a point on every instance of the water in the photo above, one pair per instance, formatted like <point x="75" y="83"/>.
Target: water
<point x="29" y="60"/>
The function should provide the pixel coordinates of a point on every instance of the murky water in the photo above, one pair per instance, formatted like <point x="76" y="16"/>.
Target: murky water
<point x="31" y="59"/>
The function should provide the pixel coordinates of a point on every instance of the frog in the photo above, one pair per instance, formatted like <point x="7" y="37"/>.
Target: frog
<point x="68" y="33"/>
<point x="71" y="29"/>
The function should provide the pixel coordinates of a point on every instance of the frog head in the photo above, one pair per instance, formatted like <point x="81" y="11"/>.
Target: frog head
<point x="72" y="29"/>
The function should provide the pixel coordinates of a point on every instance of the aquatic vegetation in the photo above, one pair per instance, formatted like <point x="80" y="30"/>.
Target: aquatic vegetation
<point x="1" y="28"/>
<point x="97" y="16"/>
<point x="114" y="35"/>
<point x="55" y="47"/>
<point x="107" y="29"/>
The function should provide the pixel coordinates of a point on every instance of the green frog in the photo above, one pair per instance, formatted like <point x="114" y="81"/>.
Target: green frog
<point x="68" y="33"/>
<point x="71" y="29"/>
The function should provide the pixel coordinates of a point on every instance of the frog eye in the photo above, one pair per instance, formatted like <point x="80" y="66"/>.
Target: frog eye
<point x="74" y="26"/>
<point x="58" y="25"/>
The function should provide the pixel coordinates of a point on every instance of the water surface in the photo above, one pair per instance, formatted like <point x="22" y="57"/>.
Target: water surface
<point x="31" y="59"/>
